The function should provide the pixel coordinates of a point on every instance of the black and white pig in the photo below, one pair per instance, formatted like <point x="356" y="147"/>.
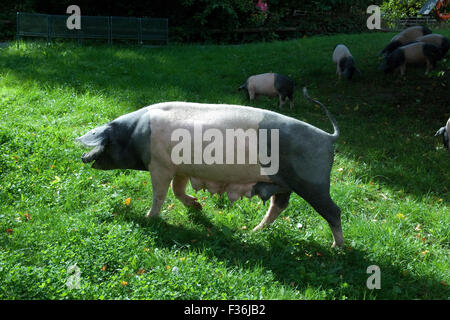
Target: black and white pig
<point x="143" y="140"/>
<point x="445" y="132"/>
<point x="406" y="36"/>
<point x="438" y="40"/>
<point x="271" y="85"/>
<point x="416" y="52"/>
<point x="345" y="65"/>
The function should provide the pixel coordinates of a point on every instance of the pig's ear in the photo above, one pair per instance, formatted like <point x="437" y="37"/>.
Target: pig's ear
<point x="95" y="137"/>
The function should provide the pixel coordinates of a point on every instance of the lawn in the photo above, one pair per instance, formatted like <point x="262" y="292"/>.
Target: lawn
<point x="390" y="178"/>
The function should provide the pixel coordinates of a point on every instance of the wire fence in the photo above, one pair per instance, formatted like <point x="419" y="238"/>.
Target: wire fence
<point x="400" y="24"/>
<point x="154" y="30"/>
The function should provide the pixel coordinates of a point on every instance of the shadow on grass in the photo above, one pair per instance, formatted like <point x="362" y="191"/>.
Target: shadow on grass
<point x="293" y="262"/>
<point x="202" y="74"/>
<point x="379" y="115"/>
<point x="117" y="70"/>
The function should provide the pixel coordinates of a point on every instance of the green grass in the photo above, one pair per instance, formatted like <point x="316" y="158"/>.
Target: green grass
<point x="390" y="178"/>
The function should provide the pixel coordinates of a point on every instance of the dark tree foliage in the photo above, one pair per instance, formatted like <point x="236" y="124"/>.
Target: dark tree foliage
<point x="214" y="20"/>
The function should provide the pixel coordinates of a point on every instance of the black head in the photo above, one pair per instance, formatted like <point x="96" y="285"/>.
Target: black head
<point x="120" y="144"/>
<point x="244" y="86"/>
<point x="391" y="47"/>
<point x="392" y="61"/>
<point x="347" y="65"/>
<point x="443" y="131"/>
<point x="107" y="153"/>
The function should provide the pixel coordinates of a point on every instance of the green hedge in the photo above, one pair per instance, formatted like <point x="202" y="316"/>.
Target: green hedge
<point x="394" y="9"/>
<point x="215" y="20"/>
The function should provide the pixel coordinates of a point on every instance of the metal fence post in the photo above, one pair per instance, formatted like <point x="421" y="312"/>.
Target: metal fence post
<point x="167" y="28"/>
<point x="110" y="30"/>
<point x="140" y="31"/>
<point x="17" y="26"/>
<point x="48" y="29"/>
<point x="78" y="36"/>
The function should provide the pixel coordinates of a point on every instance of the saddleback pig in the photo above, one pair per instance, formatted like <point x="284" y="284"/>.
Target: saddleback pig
<point x="144" y="140"/>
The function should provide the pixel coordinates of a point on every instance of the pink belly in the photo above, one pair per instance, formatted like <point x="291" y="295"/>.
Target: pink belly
<point x="233" y="190"/>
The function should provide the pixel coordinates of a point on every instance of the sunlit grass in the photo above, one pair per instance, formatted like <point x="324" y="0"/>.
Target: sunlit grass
<point x="390" y="178"/>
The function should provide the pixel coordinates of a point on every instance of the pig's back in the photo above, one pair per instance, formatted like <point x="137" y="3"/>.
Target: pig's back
<point x="433" y="38"/>
<point x="263" y="84"/>
<point x="414" y="52"/>
<point x="341" y="51"/>
<point x="218" y="115"/>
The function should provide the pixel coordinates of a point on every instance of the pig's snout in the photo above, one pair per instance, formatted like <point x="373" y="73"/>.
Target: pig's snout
<point x="84" y="158"/>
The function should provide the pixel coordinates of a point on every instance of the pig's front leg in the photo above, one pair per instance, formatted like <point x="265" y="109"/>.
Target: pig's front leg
<point x="161" y="178"/>
<point x="179" y="186"/>
<point x="251" y="94"/>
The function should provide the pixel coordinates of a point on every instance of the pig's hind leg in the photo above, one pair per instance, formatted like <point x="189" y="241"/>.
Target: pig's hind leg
<point x="291" y="100"/>
<point x="332" y="214"/>
<point x="251" y="93"/>
<point x="282" y="100"/>
<point x="319" y="198"/>
<point x="278" y="203"/>
<point x="179" y="186"/>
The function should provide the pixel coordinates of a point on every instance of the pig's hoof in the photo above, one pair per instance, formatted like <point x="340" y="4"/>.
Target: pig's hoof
<point x="337" y="244"/>
<point x="258" y="227"/>
<point x="151" y="215"/>
<point x="196" y="205"/>
<point x="193" y="202"/>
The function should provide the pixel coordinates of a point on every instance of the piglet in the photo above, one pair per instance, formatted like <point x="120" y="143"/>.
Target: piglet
<point x="344" y="62"/>
<point x="438" y="40"/>
<point x="416" y="52"/>
<point x="271" y="85"/>
<point x="406" y="36"/>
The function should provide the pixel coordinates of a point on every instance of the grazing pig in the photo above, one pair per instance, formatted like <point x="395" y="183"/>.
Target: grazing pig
<point x="438" y="40"/>
<point x="406" y="36"/>
<point x="344" y="62"/>
<point x="147" y="139"/>
<point x="416" y="52"/>
<point x="445" y="132"/>
<point x="270" y="84"/>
